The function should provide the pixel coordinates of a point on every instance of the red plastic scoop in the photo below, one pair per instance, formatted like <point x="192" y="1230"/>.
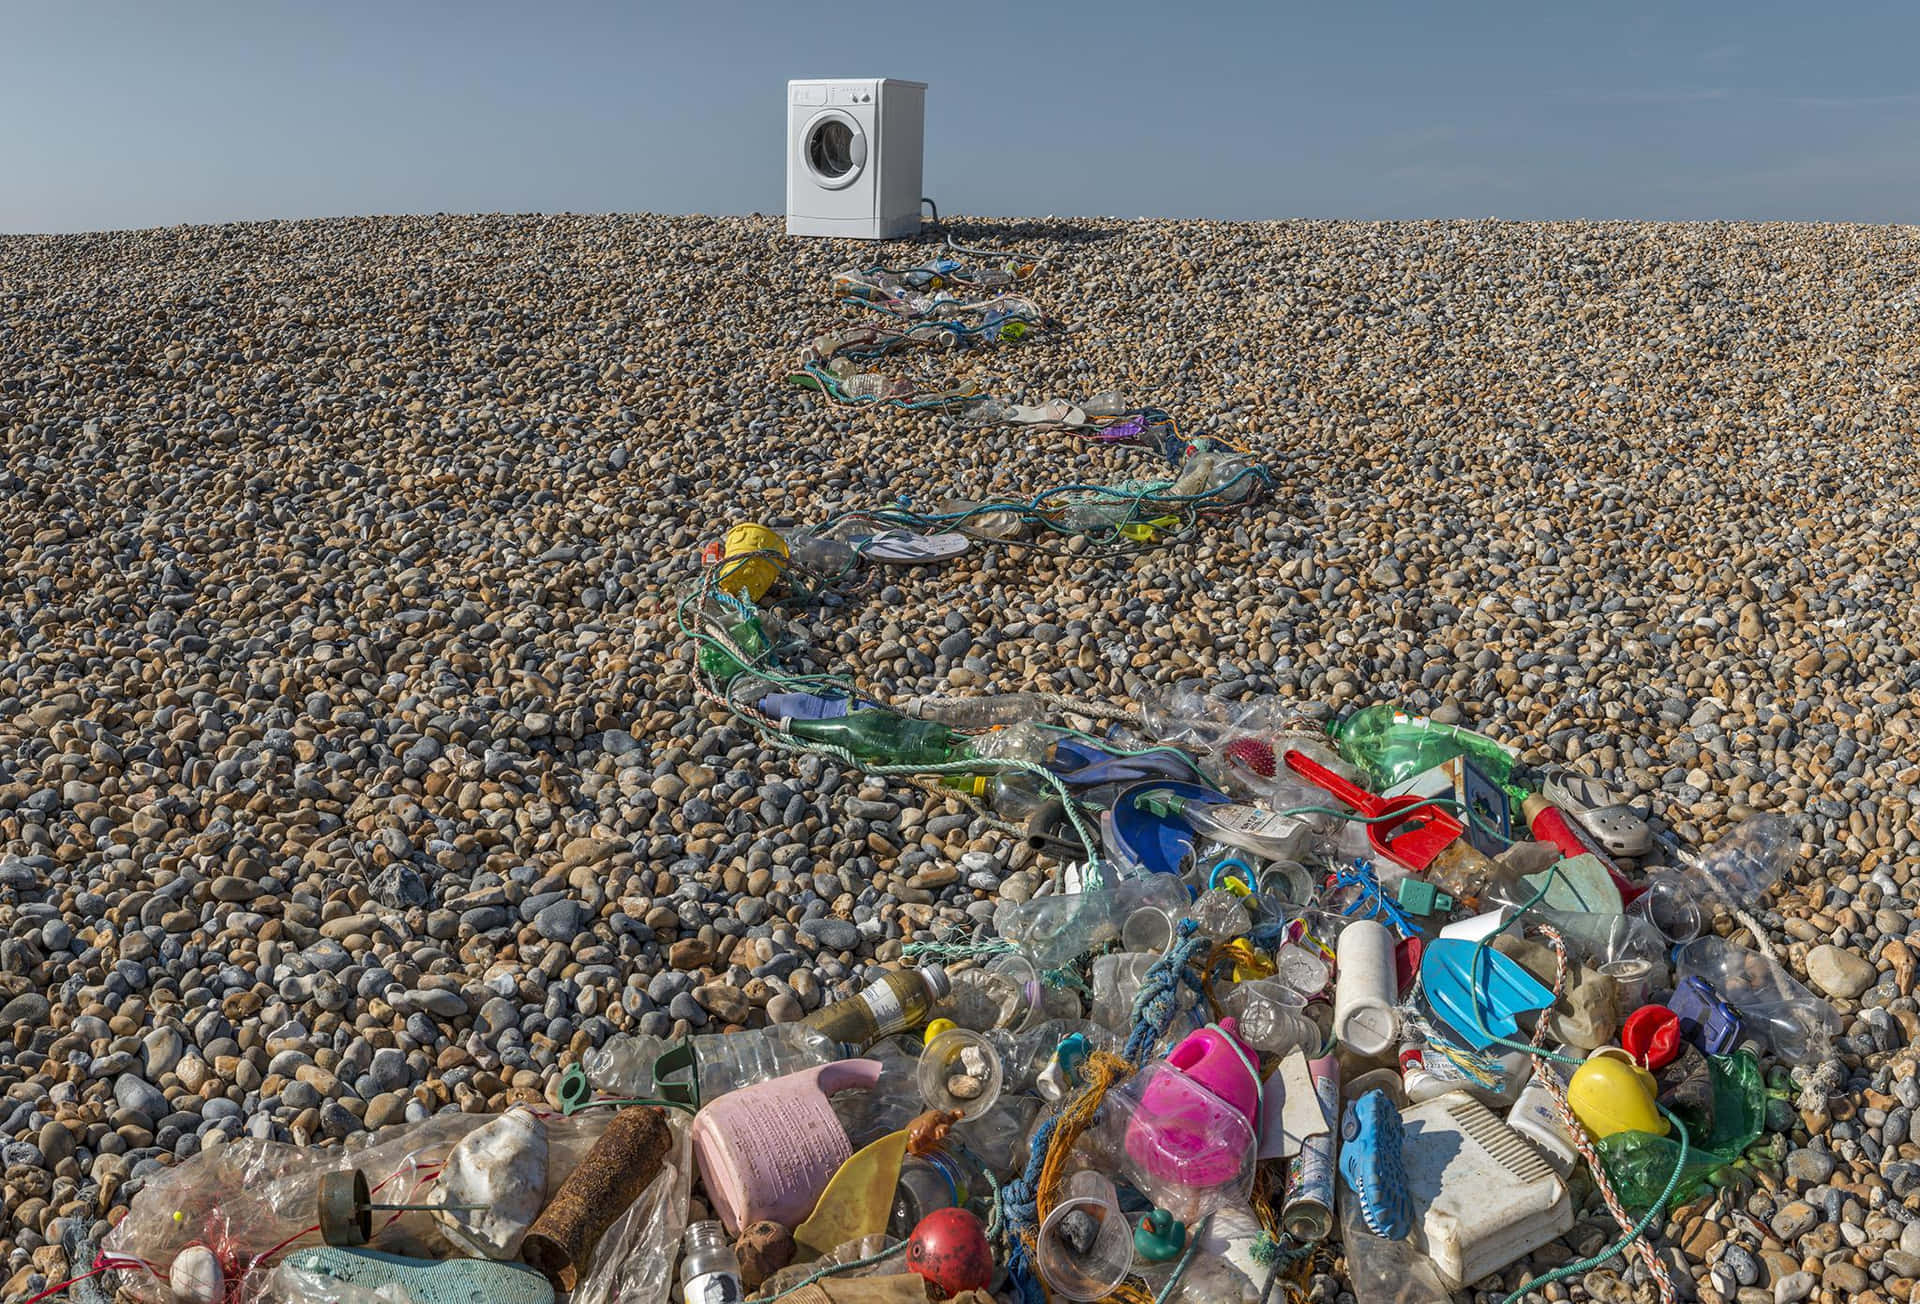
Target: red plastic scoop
<point x="1412" y="840"/>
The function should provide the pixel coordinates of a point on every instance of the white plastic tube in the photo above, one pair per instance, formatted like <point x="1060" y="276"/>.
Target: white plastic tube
<point x="1366" y="1014"/>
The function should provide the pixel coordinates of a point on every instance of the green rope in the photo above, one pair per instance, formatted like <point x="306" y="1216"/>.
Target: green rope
<point x="867" y="1262"/>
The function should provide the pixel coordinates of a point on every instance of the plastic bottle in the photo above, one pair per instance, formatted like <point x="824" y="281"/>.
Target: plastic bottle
<point x="1106" y="512"/>
<point x="822" y="554"/>
<point x="1227" y="476"/>
<point x="1015" y="742"/>
<point x="1737" y="870"/>
<point x="1384" y="1271"/>
<point x="1366" y="998"/>
<point x="866" y="385"/>
<point x="709" y="1269"/>
<point x="883" y="738"/>
<point x="720" y="665"/>
<point x="981" y="712"/>
<point x="1107" y="403"/>
<point x="902" y="999"/>
<point x="1265" y="834"/>
<point x="1392" y="746"/>
<point x="1272" y="1017"/>
<point x="630" y="1066"/>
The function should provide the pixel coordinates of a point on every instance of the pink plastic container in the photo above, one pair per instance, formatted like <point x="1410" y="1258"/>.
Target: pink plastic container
<point x="1198" y="1111"/>
<point x="768" y="1150"/>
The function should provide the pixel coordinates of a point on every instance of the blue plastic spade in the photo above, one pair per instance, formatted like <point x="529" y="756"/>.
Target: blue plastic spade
<point x="1478" y="991"/>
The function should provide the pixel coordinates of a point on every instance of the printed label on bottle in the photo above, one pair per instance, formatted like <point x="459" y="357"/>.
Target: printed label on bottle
<point x="714" y="1288"/>
<point x="889" y="1015"/>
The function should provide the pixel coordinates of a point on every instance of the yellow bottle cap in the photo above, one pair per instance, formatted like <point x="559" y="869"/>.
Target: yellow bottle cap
<point x="938" y="1026"/>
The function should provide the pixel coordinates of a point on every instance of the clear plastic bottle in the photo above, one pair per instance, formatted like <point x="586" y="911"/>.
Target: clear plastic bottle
<point x="988" y="412"/>
<point x="865" y="385"/>
<point x="630" y="1065"/>
<point x="1272" y="1017"/>
<point x="1107" y="403"/>
<point x="709" y="1269"/>
<point x="902" y="999"/>
<point x="982" y="712"/>
<point x="1228" y="475"/>
<point x="1014" y="794"/>
<point x="1737" y="870"/>
<point x="1014" y="742"/>
<point x="1384" y="1271"/>
<point x="822" y="554"/>
<point x="1185" y="715"/>
<point x="1097" y="515"/>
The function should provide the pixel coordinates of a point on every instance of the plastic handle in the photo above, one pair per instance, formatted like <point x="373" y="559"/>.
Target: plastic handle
<point x="845" y="1075"/>
<point x="1321" y="777"/>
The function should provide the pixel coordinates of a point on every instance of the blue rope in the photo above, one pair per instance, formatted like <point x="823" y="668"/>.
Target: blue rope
<point x="1153" y="1008"/>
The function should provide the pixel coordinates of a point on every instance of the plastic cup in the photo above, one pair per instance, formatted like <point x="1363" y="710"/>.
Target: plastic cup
<point x="1148" y="930"/>
<point x="1092" y="1273"/>
<point x="943" y="1059"/>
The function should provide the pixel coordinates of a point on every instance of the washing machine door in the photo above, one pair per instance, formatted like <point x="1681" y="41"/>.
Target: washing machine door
<point x="834" y="149"/>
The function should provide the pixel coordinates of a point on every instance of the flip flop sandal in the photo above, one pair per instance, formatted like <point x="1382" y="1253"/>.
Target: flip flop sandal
<point x="1599" y="811"/>
<point x="904" y="548"/>
<point x="1374" y="1166"/>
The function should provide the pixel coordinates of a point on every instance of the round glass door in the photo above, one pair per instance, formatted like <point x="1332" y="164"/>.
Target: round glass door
<point x="835" y="149"/>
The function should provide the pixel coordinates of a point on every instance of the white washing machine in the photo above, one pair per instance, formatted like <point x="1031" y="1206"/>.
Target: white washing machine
<point x="853" y="157"/>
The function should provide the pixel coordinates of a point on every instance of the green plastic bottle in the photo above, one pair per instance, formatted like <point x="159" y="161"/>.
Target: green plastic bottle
<point x="1392" y="746"/>
<point x="883" y="737"/>
<point x="720" y="665"/>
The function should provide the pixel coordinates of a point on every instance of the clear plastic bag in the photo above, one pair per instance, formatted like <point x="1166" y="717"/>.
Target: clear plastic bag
<point x="249" y="1197"/>
<point x="633" y="1264"/>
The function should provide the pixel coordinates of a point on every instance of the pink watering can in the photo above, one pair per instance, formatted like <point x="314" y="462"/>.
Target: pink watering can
<point x="768" y="1150"/>
<point x="1199" y="1110"/>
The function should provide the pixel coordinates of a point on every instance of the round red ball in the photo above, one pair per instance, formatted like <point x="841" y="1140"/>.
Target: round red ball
<point x="949" y="1248"/>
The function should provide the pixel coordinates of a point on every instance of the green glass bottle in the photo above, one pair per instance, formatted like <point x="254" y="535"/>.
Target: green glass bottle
<point x="883" y="738"/>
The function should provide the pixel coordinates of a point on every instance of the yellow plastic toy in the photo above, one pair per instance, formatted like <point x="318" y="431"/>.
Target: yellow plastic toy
<point x="743" y="574"/>
<point x="1610" y="1093"/>
<point x="858" y="1199"/>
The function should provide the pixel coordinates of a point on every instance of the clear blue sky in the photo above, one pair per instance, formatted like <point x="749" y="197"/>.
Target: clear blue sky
<point x="121" y="114"/>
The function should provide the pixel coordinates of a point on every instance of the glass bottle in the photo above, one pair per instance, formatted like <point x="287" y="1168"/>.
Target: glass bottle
<point x="902" y="999"/>
<point x="882" y="737"/>
<point x="709" y="1269"/>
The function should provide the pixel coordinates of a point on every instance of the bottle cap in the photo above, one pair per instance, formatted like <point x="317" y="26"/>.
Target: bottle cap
<point x="937" y="981"/>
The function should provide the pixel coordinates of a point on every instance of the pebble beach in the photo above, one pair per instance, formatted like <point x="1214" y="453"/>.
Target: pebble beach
<point x="350" y="768"/>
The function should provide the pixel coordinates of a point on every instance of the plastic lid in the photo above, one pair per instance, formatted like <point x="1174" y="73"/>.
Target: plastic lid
<point x="1369" y="1029"/>
<point x="937" y="980"/>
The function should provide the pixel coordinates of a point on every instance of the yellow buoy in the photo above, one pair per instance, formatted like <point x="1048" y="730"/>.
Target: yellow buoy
<point x="744" y="574"/>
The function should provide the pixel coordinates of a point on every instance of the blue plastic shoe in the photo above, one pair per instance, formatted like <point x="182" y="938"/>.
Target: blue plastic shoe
<point x="1373" y="1166"/>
